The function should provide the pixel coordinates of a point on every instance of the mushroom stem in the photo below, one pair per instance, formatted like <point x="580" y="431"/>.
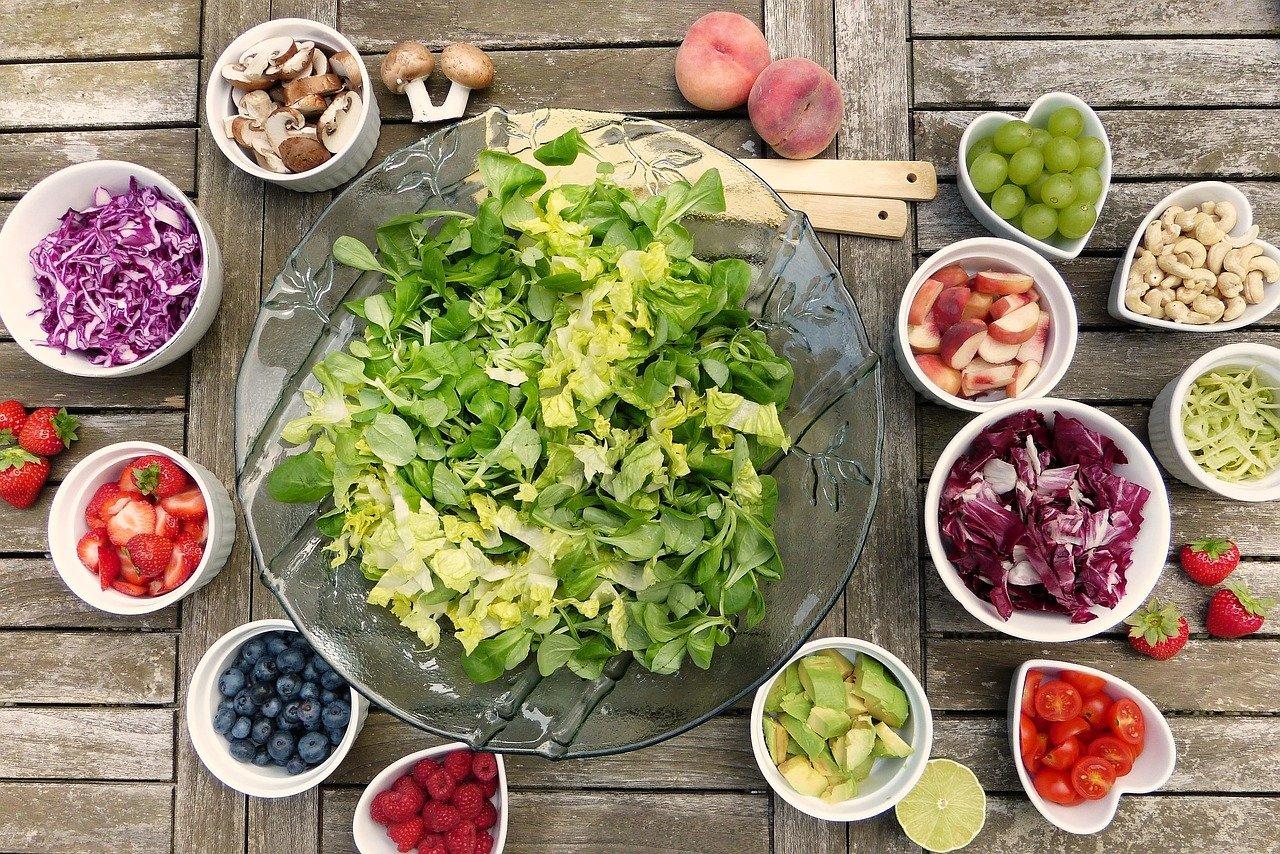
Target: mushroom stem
<point x="455" y="103"/>
<point x="420" y="101"/>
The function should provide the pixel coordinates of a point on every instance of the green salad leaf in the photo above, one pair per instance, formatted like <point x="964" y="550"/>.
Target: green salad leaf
<point x="548" y="439"/>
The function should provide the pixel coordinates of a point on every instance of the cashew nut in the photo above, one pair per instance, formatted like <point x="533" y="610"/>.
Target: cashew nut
<point x="1269" y="269"/>
<point x="1188" y="293"/>
<point x="1145" y="263"/>
<point x="1211" y="307"/>
<point x="1194" y="248"/>
<point x="1216" y="253"/>
<point x="1235" y="307"/>
<point x="1153" y="278"/>
<point x="1253" y="287"/>
<point x="1177" y="312"/>
<point x="1229" y="285"/>
<point x="1166" y="218"/>
<point x="1187" y="219"/>
<point x="1154" y="238"/>
<point x="1250" y="235"/>
<point x="1207" y="231"/>
<point x="1205" y="278"/>
<point x="1196" y="318"/>
<point x="1226" y="213"/>
<point x="1173" y="266"/>
<point x="1133" y="300"/>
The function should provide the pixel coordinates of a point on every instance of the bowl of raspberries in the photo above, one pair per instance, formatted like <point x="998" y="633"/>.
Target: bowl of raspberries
<point x="444" y="800"/>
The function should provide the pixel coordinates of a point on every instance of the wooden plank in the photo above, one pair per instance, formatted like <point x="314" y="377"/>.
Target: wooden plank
<point x="62" y="668"/>
<point x="35" y="385"/>
<point x="32" y="596"/>
<point x="87" y="743"/>
<point x="69" y="29"/>
<point x="602" y="823"/>
<point x="55" y="818"/>
<point x="1211" y="674"/>
<point x="98" y="94"/>
<point x="1194" y="18"/>
<point x="29" y="157"/>
<point x="1181" y="144"/>
<point x="378" y="24"/>
<point x="1229" y="72"/>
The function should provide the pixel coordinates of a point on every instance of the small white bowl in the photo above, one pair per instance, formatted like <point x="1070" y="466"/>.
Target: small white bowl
<point x="1164" y="425"/>
<point x="1149" y="549"/>
<point x="339" y="168"/>
<point x="994" y="253"/>
<point x="1151" y="770"/>
<point x="371" y="837"/>
<point x="38" y="213"/>
<point x="1192" y="196"/>
<point x="67" y="525"/>
<point x="270" y="781"/>
<point x="985" y="125"/>
<point x="891" y="779"/>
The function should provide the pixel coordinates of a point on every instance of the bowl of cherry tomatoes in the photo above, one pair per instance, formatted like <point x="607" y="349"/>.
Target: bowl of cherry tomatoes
<point x="1082" y="738"/>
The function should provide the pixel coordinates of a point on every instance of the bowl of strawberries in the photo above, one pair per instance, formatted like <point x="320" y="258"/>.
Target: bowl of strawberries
<point x="136" y="526"/>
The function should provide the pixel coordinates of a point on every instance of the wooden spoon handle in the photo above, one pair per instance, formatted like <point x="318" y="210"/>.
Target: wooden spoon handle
<point x="851" y="215"/>
<point x="886" y="179"/>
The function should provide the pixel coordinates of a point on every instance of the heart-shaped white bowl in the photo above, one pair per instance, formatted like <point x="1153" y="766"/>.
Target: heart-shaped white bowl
<point x="1058" y="248"/>
<point x="1150" y="771"/>
<point x="1191" y="196"/>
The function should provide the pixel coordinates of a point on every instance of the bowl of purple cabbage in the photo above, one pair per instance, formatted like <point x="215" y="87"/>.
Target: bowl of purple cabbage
<point x="1047" y="520"/>
<point x="110" y="271"/>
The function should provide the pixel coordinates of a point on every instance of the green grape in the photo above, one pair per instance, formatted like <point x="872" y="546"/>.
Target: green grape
<point x="1074" y="221"/>
<point x="1039" y="136"/>
<point x="1066" y="121"/>
<point x="1012" y="136"/>
<point x="978" y="149"/>
<point x="1008" y="201"/>
<point x="1026" y="165"/>
<point x="1058" y="191"/>
<point x="1035" y="187"/>
<point x="1061" y="154"/>
<point x="1091" y="151"/>
<point x="1039" y="221"/>
<point x="1088" y="183"/>
<point x="988" y="172"/>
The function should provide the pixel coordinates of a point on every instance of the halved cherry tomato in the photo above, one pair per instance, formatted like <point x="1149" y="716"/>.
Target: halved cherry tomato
<point x="1064" y="756"/>
<point x="1055" y="787"/>
<point x="1063" y="730"/>
<point x="1032" y="743"/>
<point x="1126" y="721"/>
<point x="1029" y="692"/>
<point x="1058" y="701"/>
<point x="1115" y="751"/>
<point x="1092" y="777"/>
<point x="1086" y="683"/>
<point x="1094" y="710"/>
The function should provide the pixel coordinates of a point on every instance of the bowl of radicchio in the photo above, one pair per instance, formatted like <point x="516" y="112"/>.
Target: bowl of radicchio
<point x="1047" y="520"/>
<point x="110" y="271"/>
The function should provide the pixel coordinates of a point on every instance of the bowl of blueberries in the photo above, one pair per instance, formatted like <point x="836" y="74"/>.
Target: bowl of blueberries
<point x="267" y="715"/>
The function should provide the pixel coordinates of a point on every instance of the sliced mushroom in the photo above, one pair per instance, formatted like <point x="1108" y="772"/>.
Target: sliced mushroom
<point x="267" y="157"/>
<point x="319" y="61"/>
<point x="404" y="69"/>
<point x="256" y="105"/>
<point x="302" y="153"/>
<point x="277" y="94"/>
<point x="282" y="124"/>
<point x="310" y="105"/>
<point x="318" y="84"/>
<point x="298" y="65"/>
<point x="241" y="76"/>
<point x="269" y="54"/>
<point x="248" y="134"/>
<point x="349" y="68"/>
<point x="468" y="68"/>
<point x="340" y="122"/>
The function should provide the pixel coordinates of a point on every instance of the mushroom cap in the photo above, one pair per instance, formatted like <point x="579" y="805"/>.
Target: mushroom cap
<point x="467" y="65"/>
<point x="302" y="153"/>
<point x="405" y="63"/>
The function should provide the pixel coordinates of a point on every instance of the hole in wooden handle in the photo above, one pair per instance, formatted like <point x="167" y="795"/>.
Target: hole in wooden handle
<point x="911" y="177"/>
<point x="884" y="214"/>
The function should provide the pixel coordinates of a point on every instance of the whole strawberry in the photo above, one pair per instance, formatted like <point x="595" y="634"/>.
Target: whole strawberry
<point x="1210" y="561"/>
<point x="48" y="431"/>
<point x="1158" y="630"/>
<point x="154" y="475"/>
<point x="1235" y="612"/>
<point x="22" y="476"/>
<point x="12" y="416"/>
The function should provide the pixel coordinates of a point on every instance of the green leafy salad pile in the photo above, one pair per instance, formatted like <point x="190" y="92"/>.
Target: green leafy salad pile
<point x="551" y="429"/>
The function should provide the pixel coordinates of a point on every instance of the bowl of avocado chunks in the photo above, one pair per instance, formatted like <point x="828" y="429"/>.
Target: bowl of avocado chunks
<point x="843" y="731"/>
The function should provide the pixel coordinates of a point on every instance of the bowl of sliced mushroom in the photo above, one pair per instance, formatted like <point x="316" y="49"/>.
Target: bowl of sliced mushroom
<point x="1196" y="264"/>
<point x="289" y="102"/>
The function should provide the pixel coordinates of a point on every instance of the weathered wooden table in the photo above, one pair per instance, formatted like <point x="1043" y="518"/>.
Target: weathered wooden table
<point x="93" y="753"/>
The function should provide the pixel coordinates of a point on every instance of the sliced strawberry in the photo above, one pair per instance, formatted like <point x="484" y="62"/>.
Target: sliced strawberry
<point x="167" y="525"/>
<point x="197" y="530"/>
<point x="89" y="547"/>
<point x="129" y="589"/>
<point x="186" y="505"/>
<point x="150" y="553"/>
<point x="136" y="517"/>
<point x="129" y="572"/>
<point x="108" y="493"/>
<point x="156" y="586"/>
<point x="109" y="563"/>
<point x="186" y="557"/>
<point x="155" y="475"/>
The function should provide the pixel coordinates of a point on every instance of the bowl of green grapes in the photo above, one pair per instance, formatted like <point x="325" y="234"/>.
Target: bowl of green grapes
<point x="1040" y="179"/>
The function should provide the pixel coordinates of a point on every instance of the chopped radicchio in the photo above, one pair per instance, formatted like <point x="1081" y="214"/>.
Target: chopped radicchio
<point x="1033" y="518"/>
<point x="118" y="279"/>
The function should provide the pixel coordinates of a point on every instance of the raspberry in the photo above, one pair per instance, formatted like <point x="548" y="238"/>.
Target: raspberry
<point x="486" y="818"/>
<point x="461" y="840"/>
<point x="408" y="785"/>
<point x="458" y="764"/>
<point x="484" y="843"/>
<point x="400" y="806"/>
<point x="468" y="798"/>
<point x="432" y="844"/>
<point x="440" y="785"/>
<point x="423" y="769"/>
<point x="378" y="809"/>
<point x="406" y="834"/>
<point x="440" y="816"/>
<point x="489" y="787"/>
<point x="484" y="766"/>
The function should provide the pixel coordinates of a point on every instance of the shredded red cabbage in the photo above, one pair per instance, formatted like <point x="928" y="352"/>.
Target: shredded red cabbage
<point x="118" y="279"/>
<point x="1033" y="518"/>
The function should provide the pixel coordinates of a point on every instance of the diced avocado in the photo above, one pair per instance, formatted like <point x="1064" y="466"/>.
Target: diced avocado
<point x="858" y="746"/>
<point x="791" y="677"/>
<point x="810" y="743"/>
<point x="775" y="738"/>
<point x="886" y="700"/>
<point x="793" y="749"/>
<point x="828" y="723"/>
<point x="862" y="770"/>
<point x="845" y="665"/>
<point x="824" y="683"/>
<point x="828" y="767"/>
<point x="890" y="743"/>
<point x="841" y="792"/>
<point x="853" y="703"/>
<point x="803" y="777"/>
<point x="797" y="705"/>
<point x="773" y="700"/>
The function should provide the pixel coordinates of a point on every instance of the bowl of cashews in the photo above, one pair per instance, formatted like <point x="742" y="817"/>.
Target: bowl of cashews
<point x="1196" y="264"/>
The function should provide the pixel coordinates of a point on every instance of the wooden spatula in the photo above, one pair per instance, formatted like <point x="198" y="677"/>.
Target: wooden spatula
<point x="880" y="179"/>
<point x="852" y="215"/>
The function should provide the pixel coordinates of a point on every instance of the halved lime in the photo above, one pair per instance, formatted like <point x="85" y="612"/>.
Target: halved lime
<point x="946" y="809"/>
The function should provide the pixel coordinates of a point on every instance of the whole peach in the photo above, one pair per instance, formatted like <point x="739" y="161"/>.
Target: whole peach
<point x="719" y="60"/>
<point x="796" y="107"/>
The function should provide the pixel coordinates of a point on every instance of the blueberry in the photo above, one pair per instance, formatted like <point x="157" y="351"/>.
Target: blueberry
<point x="336" y="736"/>
<point x="266" y="670"/>
<point x="226" y="703"/>
<point x="309" y="712"/>
<point x="230" y="682"/>
<point x="291" y="661"/>
<point x="261" y="692"/>
<point x="287" y="686"/>
<point x="313" y="748"/>
<point x="295" y="766"/>
<point x="244" y="704"/>
<point x="280" y="747"/>
<point x="309" y="673"/>
<point x="262" y="731"/>
<point x="272" y="708"/>
<point x="337" y="714"/>
<point x="322" y="667"/>
<point x="223" y="720"/>
<point x="276" y="645"/>
<point x="242" y="750"/>
<point x="327" y="697"/>
<point x="252" y="651"/>
<point x="241" y="728"/>
<point x="332" y="681"/>
<point x="309" y="691"/>
<point x="262" y="759"/>
<point x="290" y="714"/>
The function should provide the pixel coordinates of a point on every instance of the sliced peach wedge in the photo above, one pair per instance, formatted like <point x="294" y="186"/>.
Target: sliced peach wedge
<point x="991" y="282"/>
<point x="952" y="276"/>
<point x="1017" y="326"/>
<point x="961" y="341"/>
<point x="996" y="353"/>
<point x="939" y="373"/>
<point x="1022" y="377"/>
<point x="978" y="306"/>
<point x="925" y="337"/>
<point x="950" y="305"/>
<point x="922" y="302"/>
<point x="1009" y="303"/>
<point x="981" y="376"/>
<point x="1032" y="350"/>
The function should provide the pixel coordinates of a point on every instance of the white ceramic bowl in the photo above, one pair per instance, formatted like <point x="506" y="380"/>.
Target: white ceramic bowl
<point x="339" y="168"/>
<point x="38" y="213"/>
<point x="993" y="253"/>
<point x="371" y="837"/>
<point x="1192" y="196"/>
<point x="1151" y="770"/>
<point x="67" y="526"/>
<point x="891" y="779"/>
<point x="1165" y="422"/>
<point x="202" y="701"/>
<point x="1037" y="114"/>
<point x="1149" y="549"/>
